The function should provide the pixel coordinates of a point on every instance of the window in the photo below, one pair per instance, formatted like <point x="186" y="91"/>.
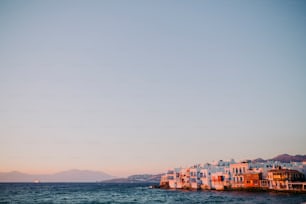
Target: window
<point x="170" y="178"/>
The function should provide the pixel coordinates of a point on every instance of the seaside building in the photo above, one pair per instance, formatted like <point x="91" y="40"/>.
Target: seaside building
<point x="252" y="180"/>
<point x="205" y="179"/>
<point x="285" y="179"/>
<point x="195" y="177"/>
<point x="174" y="178"/>
<point x="185" y="178"/>
<point x="216" y="175"/>
<point x="237" y="171"/>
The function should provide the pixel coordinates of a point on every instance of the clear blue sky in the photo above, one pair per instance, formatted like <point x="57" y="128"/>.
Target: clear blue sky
<point x="141" y="86"/>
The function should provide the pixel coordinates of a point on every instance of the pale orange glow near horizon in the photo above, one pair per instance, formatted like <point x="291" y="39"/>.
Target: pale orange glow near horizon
<point x="117" y="172"/>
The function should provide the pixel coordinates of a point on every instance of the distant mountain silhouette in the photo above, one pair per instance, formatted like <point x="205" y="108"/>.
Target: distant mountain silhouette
<point x="74" y="175"/>
<point x="16" y="176"/>
<point x="259" y="160"/>
<point x="139" y="178"/>
<point x="286" y="158"/>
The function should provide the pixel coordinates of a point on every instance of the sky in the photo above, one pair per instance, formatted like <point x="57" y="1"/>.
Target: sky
<point x="131" y="87"/>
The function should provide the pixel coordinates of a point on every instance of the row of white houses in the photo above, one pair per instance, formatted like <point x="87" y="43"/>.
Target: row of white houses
<point x="224" y="175"/>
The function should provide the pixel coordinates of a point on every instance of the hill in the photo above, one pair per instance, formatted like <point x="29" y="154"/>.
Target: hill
<point x="139" y="178"/>
<point x="286" y="158"/>
<point x="74" y="175"/>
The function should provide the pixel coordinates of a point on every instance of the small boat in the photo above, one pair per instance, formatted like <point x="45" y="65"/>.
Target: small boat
<point x="36" y="181"/>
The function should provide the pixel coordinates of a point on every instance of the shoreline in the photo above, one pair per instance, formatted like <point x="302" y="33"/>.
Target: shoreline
<point x="254" y="190"/>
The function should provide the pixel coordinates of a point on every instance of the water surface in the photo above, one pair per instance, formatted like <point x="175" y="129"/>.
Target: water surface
<point x="129" y="193"/>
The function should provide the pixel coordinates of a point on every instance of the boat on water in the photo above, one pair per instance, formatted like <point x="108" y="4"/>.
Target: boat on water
<point x="36" y="181"/>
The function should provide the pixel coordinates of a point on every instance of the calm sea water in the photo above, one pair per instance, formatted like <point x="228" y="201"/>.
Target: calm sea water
<point x="129" y="193"/>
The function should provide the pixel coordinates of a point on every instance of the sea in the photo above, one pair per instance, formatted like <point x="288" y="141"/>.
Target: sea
<point x="130" y="193"/>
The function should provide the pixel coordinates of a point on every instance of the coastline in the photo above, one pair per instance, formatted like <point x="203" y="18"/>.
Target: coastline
<point x="255" y="190"/>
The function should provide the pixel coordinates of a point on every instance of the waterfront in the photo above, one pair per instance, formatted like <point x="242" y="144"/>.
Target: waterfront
<point x="129" y="193"/>
<point x="248" y="175"/>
